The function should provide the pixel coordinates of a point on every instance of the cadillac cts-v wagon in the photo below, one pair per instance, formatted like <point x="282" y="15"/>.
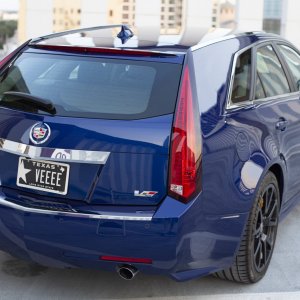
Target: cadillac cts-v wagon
<point x="130" y="155"/>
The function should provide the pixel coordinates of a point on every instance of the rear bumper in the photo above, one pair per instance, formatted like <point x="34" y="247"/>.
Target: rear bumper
<point x="180" y="240"/>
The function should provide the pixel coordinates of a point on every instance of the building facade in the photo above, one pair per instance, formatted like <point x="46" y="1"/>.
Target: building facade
<point x="171" y="16"/>
<point x="66" y="14"/>
<point x="223" y="14"/>
<point x="272" y="16"/>
<point x="121" y="12"/>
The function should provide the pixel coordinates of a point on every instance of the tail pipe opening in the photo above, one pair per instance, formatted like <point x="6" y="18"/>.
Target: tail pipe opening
<point x="127" y="272"/>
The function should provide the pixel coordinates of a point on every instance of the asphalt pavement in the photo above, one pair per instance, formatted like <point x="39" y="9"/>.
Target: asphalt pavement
<point x="23" y="280"/>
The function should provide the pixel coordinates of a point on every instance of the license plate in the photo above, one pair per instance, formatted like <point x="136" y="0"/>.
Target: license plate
<point x="43" y="175"/>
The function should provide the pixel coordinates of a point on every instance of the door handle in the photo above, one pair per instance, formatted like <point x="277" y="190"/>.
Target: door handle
<point x="281" y="124"/>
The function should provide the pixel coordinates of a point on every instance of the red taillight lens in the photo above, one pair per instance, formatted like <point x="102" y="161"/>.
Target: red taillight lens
<point x="185" y="166"/>
<point x="127" y="259"/>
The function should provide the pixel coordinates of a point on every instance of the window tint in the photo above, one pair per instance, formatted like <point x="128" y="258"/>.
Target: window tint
<point x="96" y="87"/>
<point x="242" y="78"/>
<point x="270" y="73"/>
<point x="293" y="60"/>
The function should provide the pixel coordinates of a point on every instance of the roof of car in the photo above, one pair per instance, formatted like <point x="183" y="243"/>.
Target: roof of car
<point x="122" y="37"/>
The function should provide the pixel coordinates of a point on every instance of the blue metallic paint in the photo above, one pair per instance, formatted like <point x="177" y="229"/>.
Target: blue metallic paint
<point x="183" y="240"/>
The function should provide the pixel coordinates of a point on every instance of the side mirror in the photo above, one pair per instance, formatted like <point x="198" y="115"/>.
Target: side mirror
<point x="298" y="85"/>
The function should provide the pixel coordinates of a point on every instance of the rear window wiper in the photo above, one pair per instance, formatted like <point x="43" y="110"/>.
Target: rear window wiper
<point x="27" y="102"/>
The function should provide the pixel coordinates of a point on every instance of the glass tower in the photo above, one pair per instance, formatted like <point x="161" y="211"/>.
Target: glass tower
<point x="272" y="16"/>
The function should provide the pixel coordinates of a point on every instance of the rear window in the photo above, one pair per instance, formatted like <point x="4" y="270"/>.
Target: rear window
<point x="95" y="87"/>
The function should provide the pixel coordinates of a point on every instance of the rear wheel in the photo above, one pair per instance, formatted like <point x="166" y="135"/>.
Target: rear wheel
<point x="257" y="245"/>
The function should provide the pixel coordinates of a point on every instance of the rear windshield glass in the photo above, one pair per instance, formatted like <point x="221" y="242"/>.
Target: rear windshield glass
<point x="95" y="87"/>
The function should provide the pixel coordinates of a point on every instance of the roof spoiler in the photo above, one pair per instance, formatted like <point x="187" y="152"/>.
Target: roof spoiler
<point x="124" y="34"/>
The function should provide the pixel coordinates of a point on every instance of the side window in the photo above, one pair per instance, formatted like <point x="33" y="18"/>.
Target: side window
<point x="292" y="59"/>
<point x="242" y="78"/>
<point x="259" y="90"/>
<point x="271" y="77"/>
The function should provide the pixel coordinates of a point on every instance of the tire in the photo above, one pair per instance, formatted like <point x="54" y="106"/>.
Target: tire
<point x="258" y="241"/>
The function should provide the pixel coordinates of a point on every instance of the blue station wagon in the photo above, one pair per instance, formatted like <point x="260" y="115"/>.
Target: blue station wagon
<point x="164" y="157"/>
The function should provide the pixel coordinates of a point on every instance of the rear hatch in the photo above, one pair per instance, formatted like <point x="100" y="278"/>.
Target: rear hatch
<point x="107" y="140"/>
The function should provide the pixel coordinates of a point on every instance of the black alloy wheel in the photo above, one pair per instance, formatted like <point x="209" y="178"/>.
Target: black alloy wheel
<point x="258" y="242"/>
<point x="264" y="235"/>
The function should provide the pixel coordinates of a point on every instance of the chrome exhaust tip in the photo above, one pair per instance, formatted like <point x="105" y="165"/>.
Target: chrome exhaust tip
<point x="127" y="272"/>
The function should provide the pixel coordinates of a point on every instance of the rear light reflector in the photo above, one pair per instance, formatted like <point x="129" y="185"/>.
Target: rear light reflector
<point x="126" y="259"/>
<point x="185" y="165"/>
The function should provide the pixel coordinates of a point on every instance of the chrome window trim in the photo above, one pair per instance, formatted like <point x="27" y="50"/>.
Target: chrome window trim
<point x="45" y="153"/>
<point x="104" y="216"/>
<point x="278" y="97"/>
<point x="249" y="103"/>
<point x="229" y="103"/>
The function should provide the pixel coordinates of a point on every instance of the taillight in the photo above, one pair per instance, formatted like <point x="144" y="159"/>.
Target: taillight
<point x="186" y="160"/>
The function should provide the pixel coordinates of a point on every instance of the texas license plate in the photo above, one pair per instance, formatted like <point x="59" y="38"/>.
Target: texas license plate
<point x="43" y="175"/>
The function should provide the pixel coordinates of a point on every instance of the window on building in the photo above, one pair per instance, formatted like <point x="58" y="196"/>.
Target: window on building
<point x="171" y="18"/>
<point x="111" y="13"/>
<point x="125" y="16"/>
<point x="79" y="11"/>
<point x="171" y="9"/>
<point x="125" y="7"/>
<point x="272" y="25"/>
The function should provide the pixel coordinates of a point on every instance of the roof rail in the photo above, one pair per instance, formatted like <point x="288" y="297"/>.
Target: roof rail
<point x="124" y="31"/>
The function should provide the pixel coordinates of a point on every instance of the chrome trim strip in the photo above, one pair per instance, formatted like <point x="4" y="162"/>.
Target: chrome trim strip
<point x="53" y="154"/>
<point x="122" y="217"/>
<point x="229" y="104"/>
<point x="230" y="217"/>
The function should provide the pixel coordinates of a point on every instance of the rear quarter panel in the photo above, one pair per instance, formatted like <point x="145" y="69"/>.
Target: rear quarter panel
<point x="238" y="148"/>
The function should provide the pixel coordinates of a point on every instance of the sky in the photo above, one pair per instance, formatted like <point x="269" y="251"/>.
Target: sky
<point x="9" y="4"/>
